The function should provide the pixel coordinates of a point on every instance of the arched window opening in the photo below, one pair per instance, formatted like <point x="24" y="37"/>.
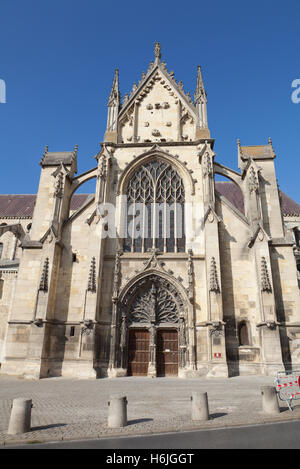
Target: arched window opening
<point x="1" y="249"/>
<point x="155" y="209"/>
<point x="243" y="333"/>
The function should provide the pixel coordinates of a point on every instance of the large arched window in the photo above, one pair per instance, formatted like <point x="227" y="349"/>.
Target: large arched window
<point x="155" y="209"/>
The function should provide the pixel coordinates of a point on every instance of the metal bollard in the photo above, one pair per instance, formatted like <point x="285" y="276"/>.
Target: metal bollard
<point x="117" y="412"/>
<point x="199" y="406"/>
<point x="20" y="417"/>
<point x="270" y="403"/>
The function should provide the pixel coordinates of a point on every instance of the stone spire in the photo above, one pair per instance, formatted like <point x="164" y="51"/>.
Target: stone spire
<point x="114" y="97"/>
<point x="201" y="106"/>
<point x="200" y="91"/>
<point x="113" y="110"/>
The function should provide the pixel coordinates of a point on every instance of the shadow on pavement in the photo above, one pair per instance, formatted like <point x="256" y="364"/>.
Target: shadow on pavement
<point x="133" y="422"/>
<point x="45" y="427"/>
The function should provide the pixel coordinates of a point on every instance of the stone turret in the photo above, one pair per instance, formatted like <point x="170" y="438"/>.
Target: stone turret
<point x="113" y="111"/>
<point x="202" y="130"/>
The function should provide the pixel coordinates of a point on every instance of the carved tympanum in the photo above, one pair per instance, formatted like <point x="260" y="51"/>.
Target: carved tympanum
<point x="153" y="300"/>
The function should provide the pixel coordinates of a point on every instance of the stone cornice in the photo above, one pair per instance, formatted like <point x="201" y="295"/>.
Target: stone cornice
<point x="161" y="144"/>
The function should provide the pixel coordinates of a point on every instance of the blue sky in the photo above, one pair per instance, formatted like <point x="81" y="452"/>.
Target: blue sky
<point x="57" y="59"/>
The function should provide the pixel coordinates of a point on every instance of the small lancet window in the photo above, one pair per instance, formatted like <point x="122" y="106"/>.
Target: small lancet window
<point x="243" y="333"/>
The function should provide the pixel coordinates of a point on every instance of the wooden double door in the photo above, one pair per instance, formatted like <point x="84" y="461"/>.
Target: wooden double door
<point x="166" y="352"/>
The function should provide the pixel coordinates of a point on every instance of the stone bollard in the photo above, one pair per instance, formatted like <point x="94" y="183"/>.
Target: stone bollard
<point x="199" y="406"/>
<point x="117" y="412"/>
<point x="270" y="403"/>
<point x="20" y="417"/>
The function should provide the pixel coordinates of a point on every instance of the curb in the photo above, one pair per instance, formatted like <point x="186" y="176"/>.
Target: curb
<point x="185" y="428"/>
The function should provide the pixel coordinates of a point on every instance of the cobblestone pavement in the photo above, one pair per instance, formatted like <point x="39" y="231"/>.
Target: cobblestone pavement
<point x="75" y="409"/>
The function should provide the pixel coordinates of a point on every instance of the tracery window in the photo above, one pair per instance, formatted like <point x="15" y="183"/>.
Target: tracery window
<point x="155" y="209"/>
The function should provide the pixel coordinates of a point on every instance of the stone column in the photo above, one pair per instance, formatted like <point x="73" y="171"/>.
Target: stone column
<point x="216" y="339"/>
<point x="152" y="350"/>
<point x="271" y="357"/>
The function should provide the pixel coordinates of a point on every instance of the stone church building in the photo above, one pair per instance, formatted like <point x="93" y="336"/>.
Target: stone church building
<point x="163" y="271"/>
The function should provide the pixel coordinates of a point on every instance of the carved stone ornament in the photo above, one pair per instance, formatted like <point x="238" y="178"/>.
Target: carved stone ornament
<point x="182" y="331"/>
<point x="213" y="279"/>
<point x="207" y="166"/>
<point x="117" y="276"/>
<point x="157" y="49"/>
<point x="154" y="305"/>
<point x="123" y="332"/>
<point x="265" y="280"/>
<point x="253" y="180"/>
<point x="190" y="275"/>
<point x="153" y="300"/>
<point x="216" y="329"/>
<point x="44" y="277"/>
<point x="59" y="185"/>
<point x="102" y="168"/>
<point x="38" y="322"/>
<point x="271" y="325"/>
<point x="92" y="276"/>
<point x="153" y="262"/>
<point x="86" y="327"/>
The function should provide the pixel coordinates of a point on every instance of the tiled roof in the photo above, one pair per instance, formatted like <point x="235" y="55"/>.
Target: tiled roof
<point x="234" y="195"/>
<point x="17" y="205"/>
<point x="22" y="205"/>
<point x="289" y="206"/>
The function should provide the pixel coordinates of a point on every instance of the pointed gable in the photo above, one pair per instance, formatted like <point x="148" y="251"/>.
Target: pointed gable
<point x="157" y="109"/>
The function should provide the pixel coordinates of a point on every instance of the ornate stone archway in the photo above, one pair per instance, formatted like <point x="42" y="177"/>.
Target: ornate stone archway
<point x="151" y="303"/>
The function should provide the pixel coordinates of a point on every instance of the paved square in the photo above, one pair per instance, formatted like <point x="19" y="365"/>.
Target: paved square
<point x="71" y="409"/>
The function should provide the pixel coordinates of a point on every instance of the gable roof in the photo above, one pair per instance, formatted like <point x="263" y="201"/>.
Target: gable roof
<point x="22" y="205"/>
<point x="232" y="193"/>
<point x="155" y="67"/>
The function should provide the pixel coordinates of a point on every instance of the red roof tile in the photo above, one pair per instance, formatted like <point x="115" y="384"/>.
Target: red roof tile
<point x="22" y="205"/>
<point x="232" y="193"/>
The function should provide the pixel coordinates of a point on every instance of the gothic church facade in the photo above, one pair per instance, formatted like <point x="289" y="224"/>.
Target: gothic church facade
<point x="214" y="295"/>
